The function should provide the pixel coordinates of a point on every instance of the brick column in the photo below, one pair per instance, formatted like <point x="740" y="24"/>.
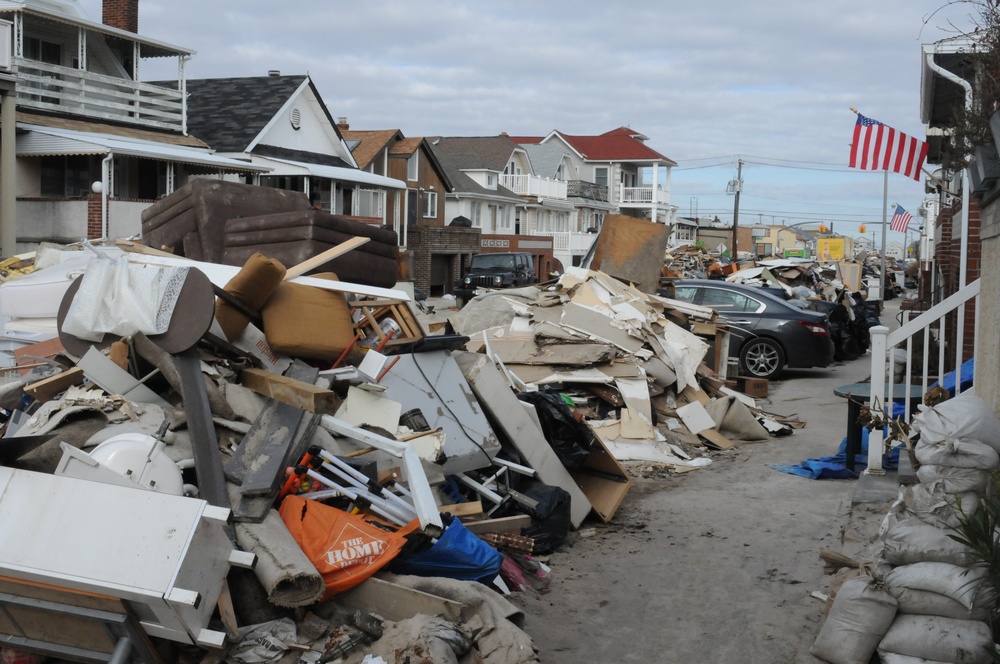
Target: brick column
<point x="94" y="221"/>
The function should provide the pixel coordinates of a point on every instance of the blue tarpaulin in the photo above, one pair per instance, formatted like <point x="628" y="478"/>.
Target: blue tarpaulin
<point x="835" y="467"/>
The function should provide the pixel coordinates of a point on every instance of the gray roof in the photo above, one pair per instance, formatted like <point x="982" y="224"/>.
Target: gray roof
<point x="228" y="113"/>
<point x="545" y="158"/>
<point x="477" y="152"/>
<point x="452" y="166"/>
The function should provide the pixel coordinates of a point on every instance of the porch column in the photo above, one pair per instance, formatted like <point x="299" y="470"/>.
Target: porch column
<point x="8" y="168"/>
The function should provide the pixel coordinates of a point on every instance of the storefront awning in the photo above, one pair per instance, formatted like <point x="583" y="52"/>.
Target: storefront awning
<point x="333" y="173"/>
<point x="44" y="141"/>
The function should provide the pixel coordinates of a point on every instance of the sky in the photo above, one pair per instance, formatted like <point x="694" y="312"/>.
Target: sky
<point x="710" y="83"/>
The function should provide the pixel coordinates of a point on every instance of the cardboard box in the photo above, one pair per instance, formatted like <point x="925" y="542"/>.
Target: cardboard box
<point x="754" y="387"/>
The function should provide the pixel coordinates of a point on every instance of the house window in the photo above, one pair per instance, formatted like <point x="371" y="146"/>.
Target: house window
<point x="369" y="203"/>
<point x="477" y="214"/>
<point x="65" y="175"/>
<point x="490" y="180"/>
<point x="412" y="167"/>
<point x="601" y="176"/>
<point x="505" y="218"/>
<point x="430" y="204"/>
<point x="43" y="51"/>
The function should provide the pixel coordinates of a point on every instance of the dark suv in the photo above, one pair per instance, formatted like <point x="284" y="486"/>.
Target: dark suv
<point x="499" y="270"/>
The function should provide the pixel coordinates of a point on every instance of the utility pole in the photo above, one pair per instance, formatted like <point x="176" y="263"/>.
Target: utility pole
<point x="737" y="186"/>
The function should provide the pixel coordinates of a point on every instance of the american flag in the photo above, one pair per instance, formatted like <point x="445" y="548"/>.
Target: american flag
<point x="878" y="147"/>
<point x="900" y="220"/>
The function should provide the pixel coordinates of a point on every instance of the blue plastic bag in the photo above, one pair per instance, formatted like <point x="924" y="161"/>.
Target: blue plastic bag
<point x="458" y="554"/>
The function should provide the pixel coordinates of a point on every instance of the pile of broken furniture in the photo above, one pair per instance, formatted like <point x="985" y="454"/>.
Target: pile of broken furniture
<point x="187" y="415"/>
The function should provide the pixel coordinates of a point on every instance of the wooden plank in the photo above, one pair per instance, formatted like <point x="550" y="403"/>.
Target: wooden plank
<point x="716" y="439"/>
<point x="603" y="480"/>
<point x="47" y="388"/>
<point x="505" y="524"/>
<point x="471" y="508"/>
<point x="395" y="602"/>
<point x="285" y="389"/>
<point x="118" y="353"/>
<point x="47" y="349"/>
<point x="326" y="256"/>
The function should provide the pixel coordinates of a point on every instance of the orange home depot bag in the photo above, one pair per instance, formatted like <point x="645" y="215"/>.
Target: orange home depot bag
<point x="345" y="548"/>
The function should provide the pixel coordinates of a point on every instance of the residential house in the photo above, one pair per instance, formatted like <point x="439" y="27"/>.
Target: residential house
<point x="716" y="237"/>
<point x="434" y="248"/>
<point x="962" y="222"/>
<point x="94" y="144"/>
<point x="949" y="74"/>
<point x="611" y="173"/>
<point x="685" y="232"/>
<point x="281" y="124"/>
<point x="477" y="168"/>
<point x="781" y="241"/>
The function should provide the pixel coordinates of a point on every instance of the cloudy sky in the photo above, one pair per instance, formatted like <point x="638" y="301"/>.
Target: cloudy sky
<point x="709" y="82"/>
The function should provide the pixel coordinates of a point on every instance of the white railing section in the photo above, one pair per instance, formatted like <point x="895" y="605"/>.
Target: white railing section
<point x="532" y="185"/>
<point x="573" y="243"/>
<point x="644" y="195"/>
<point x="884" y="345"/>
<point x="66" y="90"/>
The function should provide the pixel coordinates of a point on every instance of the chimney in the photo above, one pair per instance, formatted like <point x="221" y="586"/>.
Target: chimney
<point x="342" y="124"/>
<point x="122" y="14"/>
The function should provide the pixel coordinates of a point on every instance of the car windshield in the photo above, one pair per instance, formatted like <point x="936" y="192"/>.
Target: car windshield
<point x="494" y="262"/>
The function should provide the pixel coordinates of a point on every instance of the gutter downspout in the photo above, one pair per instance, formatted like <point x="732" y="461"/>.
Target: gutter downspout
<point x="105" y="184"/>
<point x="958" y="80"/>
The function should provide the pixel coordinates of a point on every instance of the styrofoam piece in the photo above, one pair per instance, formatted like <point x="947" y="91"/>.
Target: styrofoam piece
<point x="37" y="295"/>
<point x="31" y="330"/>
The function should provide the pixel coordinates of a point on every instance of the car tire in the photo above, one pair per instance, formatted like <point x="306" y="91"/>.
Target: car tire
<point x="762" y="358"/>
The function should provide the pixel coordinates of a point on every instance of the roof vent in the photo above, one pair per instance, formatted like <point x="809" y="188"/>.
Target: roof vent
<point x="274" y="72"/>
<point x="295" y="118"/>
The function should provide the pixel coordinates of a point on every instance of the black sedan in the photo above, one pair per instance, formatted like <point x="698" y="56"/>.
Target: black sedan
<point x="766" y="333"/>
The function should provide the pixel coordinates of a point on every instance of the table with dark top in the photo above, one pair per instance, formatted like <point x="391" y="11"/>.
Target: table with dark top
<point x="858" y="394"/>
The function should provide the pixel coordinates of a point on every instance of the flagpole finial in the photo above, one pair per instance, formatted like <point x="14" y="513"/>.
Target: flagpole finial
<point x="855" y="111"/>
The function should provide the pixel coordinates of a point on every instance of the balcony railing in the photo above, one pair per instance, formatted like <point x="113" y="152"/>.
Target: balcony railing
<point x="66" y="90"/>
<point x="583" y="189"/>
<point x="930" y="324"/>
<point x="576" y="244"/>
<point x="532" y="185"/>
<point x="644" y="196"/>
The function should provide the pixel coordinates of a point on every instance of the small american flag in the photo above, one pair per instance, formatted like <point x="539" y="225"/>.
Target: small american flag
<point x="900" y="220"/>
<point x="878" y="147"/>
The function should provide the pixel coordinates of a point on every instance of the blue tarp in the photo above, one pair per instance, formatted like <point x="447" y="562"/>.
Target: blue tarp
<point x="835" y="467"/>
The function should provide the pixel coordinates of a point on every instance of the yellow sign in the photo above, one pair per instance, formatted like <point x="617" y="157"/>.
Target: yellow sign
<point x="830" y="248"/>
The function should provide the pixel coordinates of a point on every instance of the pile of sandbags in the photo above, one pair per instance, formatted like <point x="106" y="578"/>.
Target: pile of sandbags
<point x="928" y="597"/>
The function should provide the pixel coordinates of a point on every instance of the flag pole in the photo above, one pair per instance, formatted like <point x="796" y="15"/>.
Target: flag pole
<point x="885" y="206"/>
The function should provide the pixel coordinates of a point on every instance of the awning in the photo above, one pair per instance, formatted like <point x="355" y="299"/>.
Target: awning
<point x="45" y="141"/>
<point x="333" y="173"/>
<point x="557" y="204"/>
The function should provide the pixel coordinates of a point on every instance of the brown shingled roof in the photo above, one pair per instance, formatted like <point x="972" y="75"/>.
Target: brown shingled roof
<point x="370" y="143"/>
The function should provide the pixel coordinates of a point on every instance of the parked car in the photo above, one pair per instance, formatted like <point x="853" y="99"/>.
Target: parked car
<point x="496" y="270"/>
<point x="767" y="334"/>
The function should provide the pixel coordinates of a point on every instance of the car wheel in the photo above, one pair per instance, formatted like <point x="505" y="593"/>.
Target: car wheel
<point x="762" y="358"/>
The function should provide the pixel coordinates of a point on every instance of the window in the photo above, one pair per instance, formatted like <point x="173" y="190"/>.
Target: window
<point x="412" y="167"/>
<point x="43" y="51"/>
<point x="65" y="175"/>
<point x="726" y="301"/>
<point x="369" y="203"/>
<point x="490" y="180"/>
<point x="601" y="176"/>
<point x="430" y="204"/>
<point x="477" y="214"/>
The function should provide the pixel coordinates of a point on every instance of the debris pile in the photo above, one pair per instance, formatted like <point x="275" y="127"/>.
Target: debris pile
<point x="929" y="594"/>
<point x="266" y="462"/>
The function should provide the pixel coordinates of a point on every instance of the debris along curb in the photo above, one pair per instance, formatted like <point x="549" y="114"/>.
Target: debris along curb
<point x="341" y="458"/>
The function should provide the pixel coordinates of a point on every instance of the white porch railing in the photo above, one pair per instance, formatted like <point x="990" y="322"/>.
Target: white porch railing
<point x="66" y="90"/>
<point x="883" y="349"/>
<point x="532" y="185"/>
<point x="644" y="196"/>
<point x="576" y="244"/>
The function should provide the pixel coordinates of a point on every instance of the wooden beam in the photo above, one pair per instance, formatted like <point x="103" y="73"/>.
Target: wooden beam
<point x="47" y="388"/>
<point x="506" y="524"/>
<point x="300" y="394"/>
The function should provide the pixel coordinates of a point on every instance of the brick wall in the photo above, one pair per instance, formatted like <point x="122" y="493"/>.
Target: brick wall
<point x="94" y="221"/>
<point x="426" y="241"/>
<point x="948" y="256"/>
<point x="123" y="14"/>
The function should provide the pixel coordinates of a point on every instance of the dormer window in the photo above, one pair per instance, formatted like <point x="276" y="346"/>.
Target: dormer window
<point x="491" y="181"/>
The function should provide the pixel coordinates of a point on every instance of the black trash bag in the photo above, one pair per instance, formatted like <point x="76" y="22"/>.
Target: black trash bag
<point x="550" y="519"/>
<point x="571" y="440"/>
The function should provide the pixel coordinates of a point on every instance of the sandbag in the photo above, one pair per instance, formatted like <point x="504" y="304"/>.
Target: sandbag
<point x="965" y="417"/>
<point x="957" y="453"/>
<point x="893" y="658"/>
<point x="933" y="505"/>
<point x="859" y="618"/>
<point x="955" y="480"/>
<point x="954" y="581"/>
<point x="906" y="539"/>
<point x="939" y="639"/>
<point x="927" y="603"/>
